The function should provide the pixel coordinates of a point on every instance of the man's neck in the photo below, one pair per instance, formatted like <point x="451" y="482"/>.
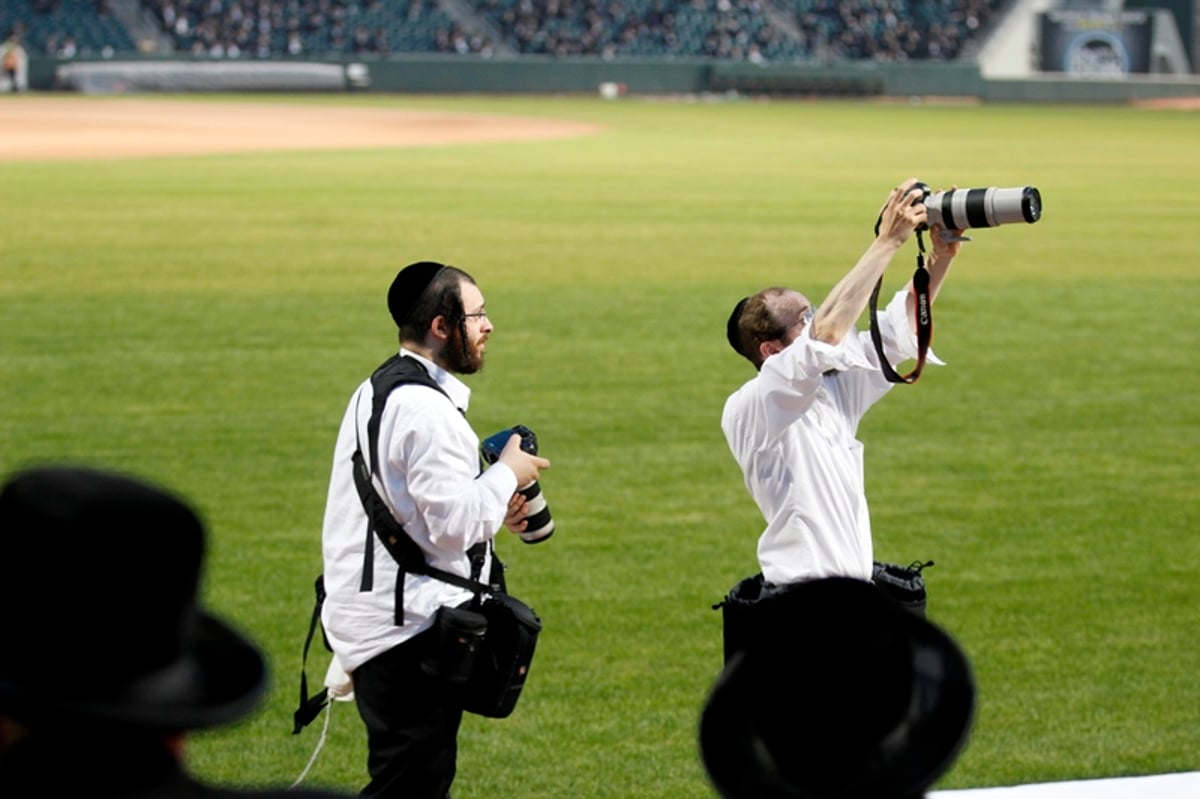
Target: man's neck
<point x="457" y="390"/>
<point x="424" y="351"/>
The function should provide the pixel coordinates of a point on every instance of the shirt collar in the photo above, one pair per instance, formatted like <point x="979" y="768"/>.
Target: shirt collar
<point x="458" y="391"/>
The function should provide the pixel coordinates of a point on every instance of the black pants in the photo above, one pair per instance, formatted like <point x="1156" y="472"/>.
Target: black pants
<point x="412" y="725"/>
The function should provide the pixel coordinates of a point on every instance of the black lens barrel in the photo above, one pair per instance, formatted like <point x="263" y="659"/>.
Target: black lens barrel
<point x="1031" y="204"/>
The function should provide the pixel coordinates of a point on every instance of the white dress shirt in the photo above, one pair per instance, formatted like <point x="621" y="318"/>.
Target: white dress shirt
<point x="792" y="429"/>
<point x="428" y="474"/>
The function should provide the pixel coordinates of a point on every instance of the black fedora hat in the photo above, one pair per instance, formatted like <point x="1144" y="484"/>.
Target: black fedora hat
<point x="98" y="607"/>
<point x="851" y="698"/>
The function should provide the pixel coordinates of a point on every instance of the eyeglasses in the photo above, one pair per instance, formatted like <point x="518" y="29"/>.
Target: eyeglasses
<point x="803" y="319"/>
<point x="785" y="333"/>
<point x="477" y="315"/>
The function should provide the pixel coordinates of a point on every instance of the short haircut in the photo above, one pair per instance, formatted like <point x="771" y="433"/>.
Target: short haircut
<point x="754" y="321"/>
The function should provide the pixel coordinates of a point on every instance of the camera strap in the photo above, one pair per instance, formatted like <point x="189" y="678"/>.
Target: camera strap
<point x="920" y="282"/>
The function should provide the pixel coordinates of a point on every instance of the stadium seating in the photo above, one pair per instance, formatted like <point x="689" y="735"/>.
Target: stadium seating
<point x="65" y="27"/>
<point x="737" y="30"/>
<point x="280" y="28"/>
<point x="893" y="30"/>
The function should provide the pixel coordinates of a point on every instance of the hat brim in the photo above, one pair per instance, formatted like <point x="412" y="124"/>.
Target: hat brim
<point x="740" y="762"/>
<point x="220" y="677"/>
<point x="923" y="752"/>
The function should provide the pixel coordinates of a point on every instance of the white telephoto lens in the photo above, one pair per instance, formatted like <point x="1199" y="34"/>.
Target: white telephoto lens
<point x="539" y="522"/>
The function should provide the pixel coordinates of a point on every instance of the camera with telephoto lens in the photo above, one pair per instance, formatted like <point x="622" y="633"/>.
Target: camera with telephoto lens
<point x="959" y="209"/>
<point x="539" y="522"/>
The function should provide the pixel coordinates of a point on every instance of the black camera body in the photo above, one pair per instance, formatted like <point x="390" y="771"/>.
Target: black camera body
<point x="540" y="524"/>
<point x="959" y="209"/>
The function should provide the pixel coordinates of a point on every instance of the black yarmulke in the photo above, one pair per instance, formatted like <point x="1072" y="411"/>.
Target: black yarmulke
<point x="732" y="330"/>
<point x="408" y="287"/>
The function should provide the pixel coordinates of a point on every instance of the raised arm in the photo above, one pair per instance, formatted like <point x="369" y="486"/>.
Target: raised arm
<point x="902" y="214"/>
<point x="941" y="255"/>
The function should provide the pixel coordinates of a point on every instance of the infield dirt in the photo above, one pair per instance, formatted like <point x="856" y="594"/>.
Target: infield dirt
<point x="55" y="128"/>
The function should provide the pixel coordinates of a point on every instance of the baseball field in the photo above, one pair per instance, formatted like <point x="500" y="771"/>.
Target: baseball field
<point x="191" y="287"/>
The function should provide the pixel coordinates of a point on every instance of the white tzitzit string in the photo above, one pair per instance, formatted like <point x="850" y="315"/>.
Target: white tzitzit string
<point x="317" y="750"/>
<point x="340" y="688"/>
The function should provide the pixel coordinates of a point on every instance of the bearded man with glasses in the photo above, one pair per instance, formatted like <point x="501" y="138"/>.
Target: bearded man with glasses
<point x="425" y="466"/>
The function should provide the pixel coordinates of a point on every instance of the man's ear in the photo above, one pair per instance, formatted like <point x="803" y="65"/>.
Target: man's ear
<point x="769" y="348"/>
<point x="439" y="328"/>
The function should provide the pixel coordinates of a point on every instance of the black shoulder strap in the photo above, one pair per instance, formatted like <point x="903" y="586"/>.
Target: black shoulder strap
<point x="397" y="371"/>
<point x="396" y="541"/>
<point x="310" y="706"/>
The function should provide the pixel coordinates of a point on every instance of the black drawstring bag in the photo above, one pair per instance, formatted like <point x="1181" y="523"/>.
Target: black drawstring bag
<point x="904" y="585"/>
<point x="748" y="615"/>
<point x="738" y="616"/>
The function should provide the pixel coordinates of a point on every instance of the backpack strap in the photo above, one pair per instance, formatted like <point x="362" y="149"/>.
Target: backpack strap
<point x="397" y="371"/>
<point x="403" y="549"/>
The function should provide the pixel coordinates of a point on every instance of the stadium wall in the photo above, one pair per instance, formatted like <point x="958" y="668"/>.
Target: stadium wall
<point x="535" y="75"/>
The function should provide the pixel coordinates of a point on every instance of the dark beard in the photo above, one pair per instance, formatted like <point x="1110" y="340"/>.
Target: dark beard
<point x="459" y="357"/>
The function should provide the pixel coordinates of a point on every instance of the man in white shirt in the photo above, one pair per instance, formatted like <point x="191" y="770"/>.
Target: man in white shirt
<point x="792" y="428"/>
<point x="426" y="468"/>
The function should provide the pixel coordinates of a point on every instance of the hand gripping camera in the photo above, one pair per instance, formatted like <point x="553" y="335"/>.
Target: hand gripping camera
<point x="959" y="209"/>
<point x="540" y="524"/>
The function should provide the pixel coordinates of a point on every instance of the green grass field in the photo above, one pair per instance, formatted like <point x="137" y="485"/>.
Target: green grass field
<point x="202" y="320"/>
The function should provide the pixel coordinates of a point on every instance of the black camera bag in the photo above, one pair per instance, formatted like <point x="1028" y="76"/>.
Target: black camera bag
<point x="502" y="663"/>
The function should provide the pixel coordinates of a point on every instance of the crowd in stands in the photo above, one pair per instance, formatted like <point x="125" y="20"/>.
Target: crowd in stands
<point x="742" y="30"/>
<point x="731" y="29"/>
<point x="886" y="30"/>
<point x="64" y="28"/>
<point x="262" y="28"/>
<point x="892" y="31"/>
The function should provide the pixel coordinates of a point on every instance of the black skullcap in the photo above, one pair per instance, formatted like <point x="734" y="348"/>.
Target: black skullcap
<point x="408" y="287"/>
<point x="732" y="329"/>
